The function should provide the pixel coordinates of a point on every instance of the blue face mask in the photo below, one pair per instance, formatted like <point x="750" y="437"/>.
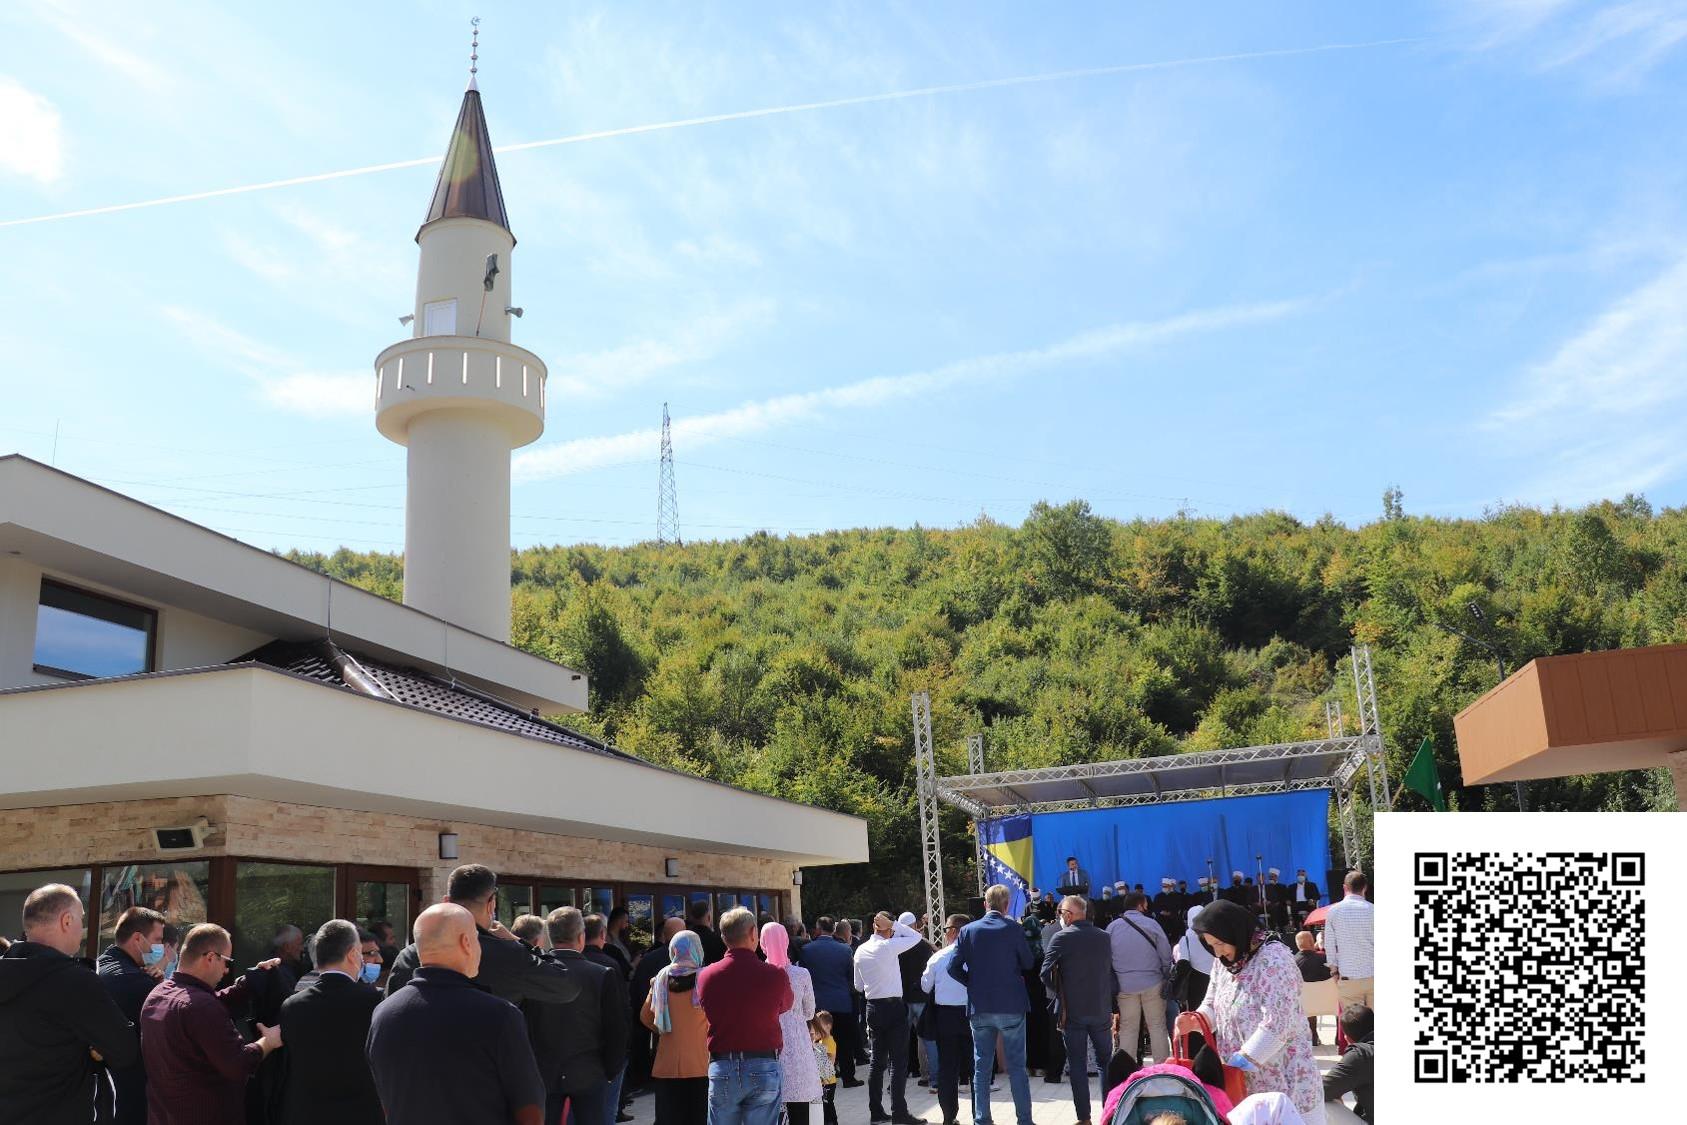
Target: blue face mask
<point x="369" y="974"/>
<point x="171" y="966"/>
<point x="153" y="955"/>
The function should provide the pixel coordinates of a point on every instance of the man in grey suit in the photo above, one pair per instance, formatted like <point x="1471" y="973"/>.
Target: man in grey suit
<point x="1078" y="972"/>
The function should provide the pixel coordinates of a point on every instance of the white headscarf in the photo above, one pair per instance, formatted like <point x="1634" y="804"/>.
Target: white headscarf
<point x="1266" y="1109"/>
<point x="1191" y="948"/>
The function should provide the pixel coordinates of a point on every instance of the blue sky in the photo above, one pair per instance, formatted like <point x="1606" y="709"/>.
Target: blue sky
<point x="1323" y="248"/>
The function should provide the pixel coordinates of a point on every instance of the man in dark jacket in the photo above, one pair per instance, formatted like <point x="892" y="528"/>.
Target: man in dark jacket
<point x="129" y="969"/>
<point x="508" y="969"/>
<point x="1353" y="1071"/>
<point x="197" y="1065"/>
<point x="580" y="1047"/>
<point x="991" y="959"/>
<point x="444" y="1052"/>
<point x="911" y="963"/>
<point x="326" y="1024"/>
<point x="1078" y="973"/>
<point x="698" y="918"/>
<point x="56" y="1022"/>
<point x="831" y="967"/>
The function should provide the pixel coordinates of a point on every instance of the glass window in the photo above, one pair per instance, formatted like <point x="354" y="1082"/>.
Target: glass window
<point x="551" y="898"/>
<point x="16" y="886"/>
<point x="514" y="900"/>
<point x="673" y="906"/>
<point x="439" y="318"/>
<point x="87" y="636"/>
<point x="179" y="891"/>
<point x="384" y="902"/>
<point x="268" y="896"/>
<point x="699" y="896"/>
<point x="724" y="901"/>
<point x="767" y="905"/>
<point x="597" y="900"/>
<point x="641" y="924"/>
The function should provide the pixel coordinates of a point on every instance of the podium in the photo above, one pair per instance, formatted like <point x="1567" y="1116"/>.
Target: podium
<point x="1082" y="890"/>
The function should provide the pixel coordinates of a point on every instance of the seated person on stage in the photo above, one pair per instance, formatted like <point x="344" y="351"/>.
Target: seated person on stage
<point x="1303" y="896"/>
<point x="1276" y="901"/>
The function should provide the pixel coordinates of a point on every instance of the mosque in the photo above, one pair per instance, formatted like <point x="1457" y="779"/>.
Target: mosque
<point x="198" y="725"/>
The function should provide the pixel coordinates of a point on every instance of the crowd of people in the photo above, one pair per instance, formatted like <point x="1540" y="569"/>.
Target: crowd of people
<point x="748" y="1023"/>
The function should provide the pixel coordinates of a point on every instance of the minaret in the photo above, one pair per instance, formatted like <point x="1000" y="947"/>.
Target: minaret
<point x="458" y="394"/>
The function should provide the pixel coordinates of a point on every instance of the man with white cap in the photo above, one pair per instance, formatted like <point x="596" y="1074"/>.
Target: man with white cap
<point x="878" y="977"/>
<point x="1238" y="892"/>
<point x="1168" y="910"/>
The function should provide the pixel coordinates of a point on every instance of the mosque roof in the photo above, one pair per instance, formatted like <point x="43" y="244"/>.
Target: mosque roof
<point x="468" y="179"/>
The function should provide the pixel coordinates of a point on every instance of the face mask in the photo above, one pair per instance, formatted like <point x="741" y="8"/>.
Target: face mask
<point x="153" y="955"/>
<point x="170" y="967"/>
<point x="1301" y="879"/>
<point x="369" y="974"/>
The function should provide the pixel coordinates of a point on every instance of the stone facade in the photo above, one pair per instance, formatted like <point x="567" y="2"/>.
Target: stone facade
<point x="118" y="832"/>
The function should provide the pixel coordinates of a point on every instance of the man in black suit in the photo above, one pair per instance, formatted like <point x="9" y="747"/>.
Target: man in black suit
<point x="325" y="1025"/>
<point x="129" y="969"/>
<point x="580" y="1046"/>
<point x="508" y="970"/>
<point x="698" y="916"/>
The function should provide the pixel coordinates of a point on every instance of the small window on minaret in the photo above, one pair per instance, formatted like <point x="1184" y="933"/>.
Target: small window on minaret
<point x="439" y="318"/>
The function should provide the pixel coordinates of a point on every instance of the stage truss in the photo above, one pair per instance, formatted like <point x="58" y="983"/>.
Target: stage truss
<point x="1350" y="765"/>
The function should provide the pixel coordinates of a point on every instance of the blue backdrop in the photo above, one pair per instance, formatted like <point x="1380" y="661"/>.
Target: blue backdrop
<point x="1144" y="843"/>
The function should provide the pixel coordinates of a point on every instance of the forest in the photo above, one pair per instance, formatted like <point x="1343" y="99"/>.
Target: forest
<point x="785" y="664"/>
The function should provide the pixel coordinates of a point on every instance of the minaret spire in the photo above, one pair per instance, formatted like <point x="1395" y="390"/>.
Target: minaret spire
<point x="474" y="52"/>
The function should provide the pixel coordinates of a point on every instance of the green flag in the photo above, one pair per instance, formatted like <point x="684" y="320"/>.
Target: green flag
<point x="1422" y="779"/>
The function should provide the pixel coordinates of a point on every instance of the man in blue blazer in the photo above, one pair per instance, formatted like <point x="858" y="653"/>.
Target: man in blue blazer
<point x="991" y="958"/>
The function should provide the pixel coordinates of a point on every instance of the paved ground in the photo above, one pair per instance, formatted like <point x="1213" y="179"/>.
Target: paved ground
<point x="1051" y="1104"/>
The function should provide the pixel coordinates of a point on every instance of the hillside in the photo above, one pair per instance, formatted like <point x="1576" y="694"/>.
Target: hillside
<point x="785" y="664"/>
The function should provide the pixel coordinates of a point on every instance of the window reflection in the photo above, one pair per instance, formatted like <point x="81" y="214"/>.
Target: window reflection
<point x="268" y="896"/>
<point x="16" y="886"/>
<point x="84" y="635"/>
<point x="178" y="891"/>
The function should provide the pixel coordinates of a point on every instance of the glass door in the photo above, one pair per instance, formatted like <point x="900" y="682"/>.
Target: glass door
<point x="641" y="921"/>
<point x="378" y="897"/>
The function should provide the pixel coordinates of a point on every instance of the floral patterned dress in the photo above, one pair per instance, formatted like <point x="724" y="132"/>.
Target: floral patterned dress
<point x="796" y="1057"/>
<point x="1258" y="1011"/>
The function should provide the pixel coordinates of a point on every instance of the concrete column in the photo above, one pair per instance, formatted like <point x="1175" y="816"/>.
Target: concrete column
<point x="457" y="520"/>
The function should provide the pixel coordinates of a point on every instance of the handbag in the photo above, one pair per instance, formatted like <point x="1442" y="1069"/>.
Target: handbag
<point x="1235" y="1079"/>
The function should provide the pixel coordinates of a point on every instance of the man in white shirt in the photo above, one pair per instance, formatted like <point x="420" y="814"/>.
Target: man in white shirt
<point x="878" y="977"/>
<point x="1348" y="943"/>
<point x="949" y="1020"/>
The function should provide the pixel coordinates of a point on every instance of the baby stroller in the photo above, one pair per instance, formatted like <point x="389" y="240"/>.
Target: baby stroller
<point x="1163" y="1089"/>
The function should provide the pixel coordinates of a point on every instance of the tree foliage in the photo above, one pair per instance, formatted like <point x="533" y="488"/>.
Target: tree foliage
<point x="784" y="665"/>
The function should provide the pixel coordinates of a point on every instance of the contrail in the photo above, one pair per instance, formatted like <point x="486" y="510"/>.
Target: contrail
<point x="720" y="118"/>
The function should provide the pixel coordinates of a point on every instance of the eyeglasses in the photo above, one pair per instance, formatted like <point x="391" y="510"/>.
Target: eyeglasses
<point x="223" y="957"/>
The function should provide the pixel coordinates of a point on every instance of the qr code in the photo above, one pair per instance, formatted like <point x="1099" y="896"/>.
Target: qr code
<point x="1529" y="968"/>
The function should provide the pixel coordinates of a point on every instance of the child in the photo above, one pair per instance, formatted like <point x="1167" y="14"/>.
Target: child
<point x="826" y="1055"/>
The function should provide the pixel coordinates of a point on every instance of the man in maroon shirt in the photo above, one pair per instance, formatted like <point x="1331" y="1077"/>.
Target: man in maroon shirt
<point x="743" y="997"/>
<point x="197" y="1065"/>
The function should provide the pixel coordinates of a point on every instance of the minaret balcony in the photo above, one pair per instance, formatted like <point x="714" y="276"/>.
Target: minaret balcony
<point x="460" y="373"/>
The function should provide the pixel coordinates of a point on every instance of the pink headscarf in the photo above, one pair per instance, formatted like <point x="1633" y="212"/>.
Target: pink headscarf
<point x="776" y="943"/>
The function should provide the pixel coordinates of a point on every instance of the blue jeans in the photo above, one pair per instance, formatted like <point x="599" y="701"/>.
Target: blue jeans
<point x="1081" y="1035"/>
<point x="745" y="1092"/>
<point x="612" y="1108"/>
<point x="987" y="1027"/>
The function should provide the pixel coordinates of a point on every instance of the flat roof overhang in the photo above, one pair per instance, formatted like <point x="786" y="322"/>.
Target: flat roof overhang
<point x="83" y="530"/>
<point x="259" y="732"/>
<point x="1592" y="712"/>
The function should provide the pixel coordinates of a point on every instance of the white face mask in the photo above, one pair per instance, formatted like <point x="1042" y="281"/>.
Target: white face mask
<point x="1300" y="878"/>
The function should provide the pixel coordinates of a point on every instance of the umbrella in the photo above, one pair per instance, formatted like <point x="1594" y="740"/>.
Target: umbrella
<point x="1316" y="918"/>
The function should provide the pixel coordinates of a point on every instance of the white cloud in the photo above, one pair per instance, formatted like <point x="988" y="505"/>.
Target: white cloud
<point x="277" y="374"/>
<point x="1616" y="44"/>
<point x="692" y="433"/>
<point x="322" y="394"/>
<point x="1600" y="414"/>
<point x="78" y="27"/>
<point x="321" y="259"/>
<point x="34" y="147"/>
<point x="596" y="374"/>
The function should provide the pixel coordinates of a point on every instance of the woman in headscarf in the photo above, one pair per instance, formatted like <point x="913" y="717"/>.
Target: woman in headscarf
<point x="797" y="1064"/>
<point x="1253" y="1004"/>
<point x="1192" y="982"/>
<point x="681" y="1069"/>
